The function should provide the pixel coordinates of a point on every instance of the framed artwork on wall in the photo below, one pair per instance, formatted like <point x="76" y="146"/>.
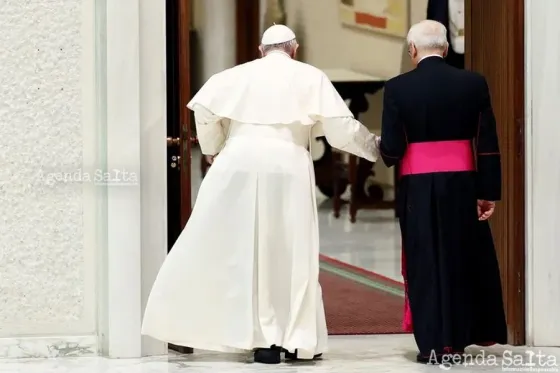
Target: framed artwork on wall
<point x="390" y="17"/>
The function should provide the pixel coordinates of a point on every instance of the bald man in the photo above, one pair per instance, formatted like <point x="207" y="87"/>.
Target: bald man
<point x="439" y="128"/>
<point x="244" y="273"/>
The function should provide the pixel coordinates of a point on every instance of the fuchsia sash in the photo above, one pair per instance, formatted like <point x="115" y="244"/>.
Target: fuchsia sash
<point x="438" y="156"/>
<point x="433" y="157"/>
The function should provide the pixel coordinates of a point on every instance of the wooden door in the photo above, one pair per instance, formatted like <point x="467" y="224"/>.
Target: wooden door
<point x="247" y="30"/>
<point x="184" y="31"/>
<point x="179" y="132"/>
<point x="495" y="47"/>
<point x="178" y="14"/>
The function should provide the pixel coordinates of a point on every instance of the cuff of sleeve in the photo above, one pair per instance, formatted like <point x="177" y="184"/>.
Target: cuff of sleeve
<point x="372" y="147"/>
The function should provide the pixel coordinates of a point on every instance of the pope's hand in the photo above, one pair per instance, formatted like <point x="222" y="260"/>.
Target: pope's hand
<point x="210" y="158"/>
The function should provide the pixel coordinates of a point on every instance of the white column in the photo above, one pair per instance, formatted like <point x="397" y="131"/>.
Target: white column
<point x="131" y="96"/>
<point x="153" y="146"/>
<point x="217" y="36"/>
<point x="123" y="250"/>
<point x="542" y="57"/>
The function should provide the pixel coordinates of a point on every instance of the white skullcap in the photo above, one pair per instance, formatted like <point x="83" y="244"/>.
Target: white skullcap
<point x="277" y="34"/>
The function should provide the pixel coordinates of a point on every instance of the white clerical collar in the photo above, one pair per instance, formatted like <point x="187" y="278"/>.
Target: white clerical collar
<point x="430" y="55"/>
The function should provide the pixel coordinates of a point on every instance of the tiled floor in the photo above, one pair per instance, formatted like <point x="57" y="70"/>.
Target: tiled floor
<point x="347" y="355"/>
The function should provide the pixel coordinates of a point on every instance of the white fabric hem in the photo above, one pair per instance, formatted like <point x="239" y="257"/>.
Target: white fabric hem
<point x="234" y="349"/>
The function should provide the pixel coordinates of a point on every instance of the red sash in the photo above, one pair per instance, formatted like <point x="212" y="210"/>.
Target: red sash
<point x="438" y="156"/>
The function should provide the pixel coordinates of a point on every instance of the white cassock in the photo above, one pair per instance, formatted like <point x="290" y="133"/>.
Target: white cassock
<point x="244" y="272"/>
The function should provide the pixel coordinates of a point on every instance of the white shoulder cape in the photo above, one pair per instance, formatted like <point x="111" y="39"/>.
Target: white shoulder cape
<point x="272" y="90"/>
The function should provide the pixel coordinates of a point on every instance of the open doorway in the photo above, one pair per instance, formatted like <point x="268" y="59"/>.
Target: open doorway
<point x="365" y="253"/>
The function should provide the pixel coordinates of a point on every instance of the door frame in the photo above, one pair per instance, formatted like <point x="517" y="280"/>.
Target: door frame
<point x="178" y="55"/>
<point x="185" y="23"/>
<point x="499" y="54"/>
<point x="247" y="29"/>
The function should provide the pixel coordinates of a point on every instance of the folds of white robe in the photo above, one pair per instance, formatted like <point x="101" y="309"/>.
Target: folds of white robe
<point x="244" y="272"/>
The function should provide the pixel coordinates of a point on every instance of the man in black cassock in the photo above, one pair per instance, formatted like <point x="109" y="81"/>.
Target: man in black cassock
<point x="438" y="125"/>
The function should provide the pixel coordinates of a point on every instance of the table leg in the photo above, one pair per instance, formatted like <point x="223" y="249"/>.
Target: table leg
<point x="358" y="104"/>
<point x="352" y="177"/>
<point x="336" y="197"/>
<point x="203" y="165"/>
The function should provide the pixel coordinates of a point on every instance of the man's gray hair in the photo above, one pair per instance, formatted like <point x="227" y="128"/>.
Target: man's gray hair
<point x="286" y="47"/>
<point x="428" y="35"/>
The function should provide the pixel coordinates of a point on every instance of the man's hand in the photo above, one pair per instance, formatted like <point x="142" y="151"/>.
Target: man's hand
<point x="210" y="158"/>
<point x="485" y="209"/>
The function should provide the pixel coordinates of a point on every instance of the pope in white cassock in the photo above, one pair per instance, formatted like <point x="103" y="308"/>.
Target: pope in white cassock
<point x="244" y="273"/>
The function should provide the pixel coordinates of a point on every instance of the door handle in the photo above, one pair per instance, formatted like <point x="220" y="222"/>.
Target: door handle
<point x="173" y="141"/>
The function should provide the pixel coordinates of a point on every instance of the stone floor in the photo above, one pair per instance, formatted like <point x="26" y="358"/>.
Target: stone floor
<point x="391" y="353"/>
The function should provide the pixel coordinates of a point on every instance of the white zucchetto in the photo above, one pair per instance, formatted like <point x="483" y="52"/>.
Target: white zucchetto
<point x="277" y="34"/>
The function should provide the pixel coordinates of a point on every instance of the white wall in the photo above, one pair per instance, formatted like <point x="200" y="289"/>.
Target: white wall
<point x="214" y="21"/>
<point x="47" y="216"/>
<point x="83" y="98"/>
<point x="542" y="55"/>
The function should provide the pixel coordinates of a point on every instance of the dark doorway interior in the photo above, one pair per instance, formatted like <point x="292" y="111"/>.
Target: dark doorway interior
<point x="178" y="124"/>
<point x="173" y="125"/>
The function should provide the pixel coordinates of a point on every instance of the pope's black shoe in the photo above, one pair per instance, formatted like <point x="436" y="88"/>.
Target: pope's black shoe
<point x="267" y="356"/>
<point x="293" y="356"/>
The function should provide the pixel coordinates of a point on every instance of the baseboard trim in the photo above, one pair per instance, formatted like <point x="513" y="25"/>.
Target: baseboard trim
<point x="48" y="347"/>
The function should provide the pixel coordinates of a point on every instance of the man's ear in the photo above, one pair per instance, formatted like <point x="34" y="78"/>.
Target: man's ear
<point x="412" y="50"/>
<point x="446" y="51"/>
<point x="295" y="51"/>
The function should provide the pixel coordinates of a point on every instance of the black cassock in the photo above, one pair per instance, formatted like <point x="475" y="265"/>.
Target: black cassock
<point x="438" y="125"/>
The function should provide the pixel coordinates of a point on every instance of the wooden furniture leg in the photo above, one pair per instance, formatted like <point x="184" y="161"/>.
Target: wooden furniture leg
<point x="203" y="165"/>
<point x="352" y="176"/>
<point x="337" y="203"/>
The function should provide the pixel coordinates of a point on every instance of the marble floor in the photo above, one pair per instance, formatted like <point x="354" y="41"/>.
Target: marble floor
<point x="372" y="242"/>
<point x="347" y="355"/>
